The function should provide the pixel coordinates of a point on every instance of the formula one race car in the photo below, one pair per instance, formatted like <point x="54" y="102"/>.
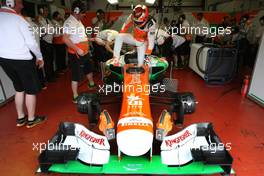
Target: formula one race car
<point x="189" y="151"/>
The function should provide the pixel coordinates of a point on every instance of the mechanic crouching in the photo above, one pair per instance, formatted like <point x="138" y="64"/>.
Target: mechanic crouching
<point x="170" y="46"/>
<point x="103" y="43"/>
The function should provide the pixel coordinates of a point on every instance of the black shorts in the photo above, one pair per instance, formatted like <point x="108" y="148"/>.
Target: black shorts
<point x="79" y="65"/>
<point x="23" y="74"/>
<point x="101" y="54"/>
<point x="183" y="49"/>
<point x="166" y="48"/>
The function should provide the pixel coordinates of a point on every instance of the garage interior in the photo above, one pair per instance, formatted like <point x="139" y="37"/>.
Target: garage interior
<point x="233" y="102"/>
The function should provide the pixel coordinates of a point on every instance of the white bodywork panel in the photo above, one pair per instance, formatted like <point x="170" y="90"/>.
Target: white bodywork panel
<point x="134" y="142"/>
<point x="176" y="149"/>
<point x="94" y="148"/>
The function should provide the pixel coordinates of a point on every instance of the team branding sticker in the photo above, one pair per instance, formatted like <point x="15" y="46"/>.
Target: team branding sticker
<point x="178" y="139"/>
<point x="135" y="121"/>
<point x="91" y="138"/>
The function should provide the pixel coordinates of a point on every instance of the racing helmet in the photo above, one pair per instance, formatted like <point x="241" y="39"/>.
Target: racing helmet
<point x="140" y="15"/>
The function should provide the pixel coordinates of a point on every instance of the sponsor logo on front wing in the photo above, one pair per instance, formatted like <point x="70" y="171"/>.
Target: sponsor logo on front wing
<point x="92" y="139"/>
<point x="178" y="139"/>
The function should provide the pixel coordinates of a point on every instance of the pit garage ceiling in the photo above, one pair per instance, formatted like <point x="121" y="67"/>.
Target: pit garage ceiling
<point x="184" y="3"/>
<point x="207" y="5"/>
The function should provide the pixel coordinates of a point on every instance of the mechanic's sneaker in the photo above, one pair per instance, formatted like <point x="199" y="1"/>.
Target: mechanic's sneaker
<point x="38" y="120"/>
<point x="74" y="99"/>
<point x="22" y="121"/>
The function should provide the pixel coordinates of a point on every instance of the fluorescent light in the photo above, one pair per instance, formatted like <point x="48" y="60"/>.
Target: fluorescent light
<point x="113" y="1"/>
<point x="150" y="1"/>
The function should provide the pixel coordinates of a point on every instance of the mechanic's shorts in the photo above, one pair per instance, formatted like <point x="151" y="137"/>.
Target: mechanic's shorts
<point x="183" y="49"/>
<point x="23" y="74"/>
<point x="101" y="54"/>
<point x="79" y="65"/>
<point x="166" y="48"/>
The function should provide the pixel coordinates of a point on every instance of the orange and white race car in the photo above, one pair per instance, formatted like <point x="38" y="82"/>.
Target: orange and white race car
<point x="135" y="127"/>
<point x="76" y="149"/>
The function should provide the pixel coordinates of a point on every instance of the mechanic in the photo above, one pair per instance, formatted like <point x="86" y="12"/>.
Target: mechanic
<point x="40" y="71"/>
<point x="166" y="24"/>
<point x="59" y="46"/>
<point x="183" y="51"/>
<point x="102" y="44"/>
<point x="78" y="48"/>
<point x="17" y="40"/>
<point x="200" y="23"/>
<point x="100" y="22"/>
<point x="241" y="41"/>
<point x="168" y="43"/>
<point x="143" y="37"/>
<point x="46" y="42"/>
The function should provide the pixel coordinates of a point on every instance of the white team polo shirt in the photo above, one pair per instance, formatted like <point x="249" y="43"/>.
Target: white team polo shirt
<point x="161" y="36"/>
<point x="75" y="29"/>
<point x="106" y="35"/>
<point x="17" y="38"/>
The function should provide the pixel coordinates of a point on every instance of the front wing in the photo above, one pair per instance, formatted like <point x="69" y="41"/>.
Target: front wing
<point x="186" y="152"/>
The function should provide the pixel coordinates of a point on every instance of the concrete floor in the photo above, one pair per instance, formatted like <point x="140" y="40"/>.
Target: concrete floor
<point x="236" y="120"/>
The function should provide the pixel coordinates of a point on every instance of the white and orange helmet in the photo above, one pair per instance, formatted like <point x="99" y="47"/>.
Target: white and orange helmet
<point x="140" y="15"/>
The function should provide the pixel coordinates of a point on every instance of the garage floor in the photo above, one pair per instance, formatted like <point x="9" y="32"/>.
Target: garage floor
<point x="236" y="120"/>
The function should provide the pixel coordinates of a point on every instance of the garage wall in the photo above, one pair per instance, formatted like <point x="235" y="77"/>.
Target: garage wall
<point x="58" y="3"/>
<point x="55" y="5"/>
<point x="127" y="5"/>
<point x="240" y="5"/>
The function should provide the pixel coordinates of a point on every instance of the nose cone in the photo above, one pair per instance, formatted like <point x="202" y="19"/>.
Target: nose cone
<point x="134" y="142"/>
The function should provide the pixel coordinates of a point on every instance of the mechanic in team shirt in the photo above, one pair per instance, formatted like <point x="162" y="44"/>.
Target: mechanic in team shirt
<point x="103" y="43"/>
<point x="78" y="48"/>
<point x="143" y="36"/>
<point x="168" y="44"/>
<point x="17" y="40"/>
<point x="183" y="51"/>
<point x="46" y="45"/>
<point x="58" y="44"/>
